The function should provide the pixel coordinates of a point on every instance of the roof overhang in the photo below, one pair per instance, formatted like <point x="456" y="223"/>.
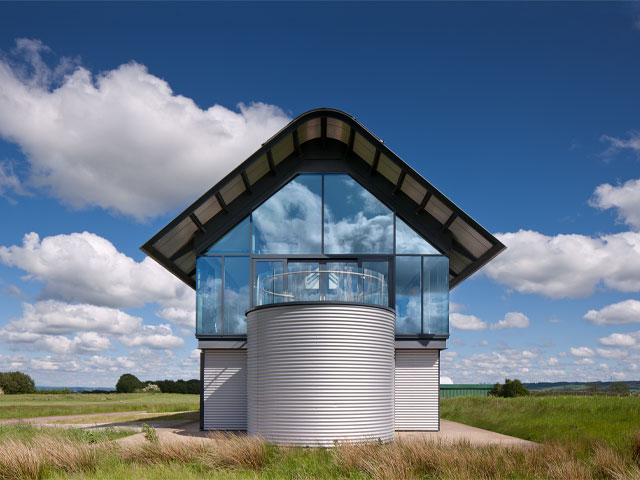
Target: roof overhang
<point x="324" y="141"/>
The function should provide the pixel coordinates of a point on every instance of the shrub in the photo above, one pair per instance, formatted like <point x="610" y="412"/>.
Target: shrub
<point x="150" y="388"/>
<point x="16" y="382"/>
<point x="128" y="384"/>
<point x="511" y="388"/>
<point x="619" y="387"/>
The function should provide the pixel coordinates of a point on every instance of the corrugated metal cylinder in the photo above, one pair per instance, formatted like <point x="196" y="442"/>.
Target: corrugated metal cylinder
<point x="320" y="373"/>
<point x="225" y="389"/>
<point x="417" y="389"/>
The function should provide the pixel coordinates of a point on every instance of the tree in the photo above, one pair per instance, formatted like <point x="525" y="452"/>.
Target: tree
<point x="619" y="387"/>
<point x="16" y="382"/>
<point x="511" y="388"/>
<point x="593" y="387"/>
<point x="128" y="384"/>
<point x="496" y="391"/>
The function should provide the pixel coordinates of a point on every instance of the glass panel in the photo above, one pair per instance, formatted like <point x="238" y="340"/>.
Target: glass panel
<point x="304" y="284"/>
<point x="209" y="295"/>
<point x="291" y="220"/>
<point x="236" y="294"/>
<point x="409" y="241"/>
<point x="435" y="302"/>
<point x="375" y="290"/>
<point x="342" y="285"/>
<point x="408" y="317"/>
<point x="269" y="283"/>
<point x="354" y="220"/>
<point x="235" y="241"/>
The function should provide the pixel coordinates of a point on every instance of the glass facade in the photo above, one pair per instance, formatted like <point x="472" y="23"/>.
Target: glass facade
<point x="322" y="237"/>
<point x="408" y="241"/>
<point x="237" y="294"/>
<point x="291" y="220"/>
<point x="354" y="220"/>
<point x="209" y="295"/>
<point x="234" y="242"/>
<point x="435" y="295"/>
<point x="408" y="315"/>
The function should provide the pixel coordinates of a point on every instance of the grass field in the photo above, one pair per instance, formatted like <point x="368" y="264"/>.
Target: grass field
<point x="580" y="438"/>
<point x="576" y="420"/>
<point x="38" y="405"/>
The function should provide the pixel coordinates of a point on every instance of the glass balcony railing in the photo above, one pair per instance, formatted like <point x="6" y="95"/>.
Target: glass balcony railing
<point x="346" y="284"/>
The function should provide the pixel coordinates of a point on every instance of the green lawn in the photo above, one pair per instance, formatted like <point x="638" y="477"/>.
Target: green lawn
<point x="580" y="420"/>
<point x="38" y="405"/>
<point x="26" y="433"/>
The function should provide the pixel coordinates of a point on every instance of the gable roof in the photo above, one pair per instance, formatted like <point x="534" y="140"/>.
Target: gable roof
<point x="330" y="141"/>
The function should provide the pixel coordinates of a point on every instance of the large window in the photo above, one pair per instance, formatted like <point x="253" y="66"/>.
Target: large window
<point x="342" y="240"/>
<point x="354" y="220"/>
<point x="291" y="220"/>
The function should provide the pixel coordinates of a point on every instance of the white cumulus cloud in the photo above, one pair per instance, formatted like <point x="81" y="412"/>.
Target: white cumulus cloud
<point x="512" y="320"/>
<point x="567" y="265"/>
<point x="627" y="311"/>
<point x="582" y="352"/>
<point x="625" y="198"/>
<point x="47" y="326"/>
<point x="86" y="268"/>
<point x="619" y="340"/>
<point x="120" y="139"/>
<point x="466" y="322"/>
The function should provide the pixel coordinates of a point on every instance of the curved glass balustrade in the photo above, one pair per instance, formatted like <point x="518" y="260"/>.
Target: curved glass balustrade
<point x="342" y="284"/>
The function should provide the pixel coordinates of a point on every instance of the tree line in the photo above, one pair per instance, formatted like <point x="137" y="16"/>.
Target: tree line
<point x="129" y="383"/>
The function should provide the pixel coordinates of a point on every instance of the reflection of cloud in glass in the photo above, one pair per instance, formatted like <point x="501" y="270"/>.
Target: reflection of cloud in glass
<point x="355" y="221"/>
<point x="409" y="241"/>
<point x="407" y="314"/>
<point x="358" y="234"/>
<point x="290" y="221"/>
<point x="236" y="303"/>
<point x="209" y="286"/>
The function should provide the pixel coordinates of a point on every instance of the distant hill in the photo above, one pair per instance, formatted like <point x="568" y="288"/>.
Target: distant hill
<point x="75" y="389"/>
<point x="634" y="386"/>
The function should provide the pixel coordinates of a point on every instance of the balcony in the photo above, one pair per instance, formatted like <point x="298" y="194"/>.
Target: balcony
<point x="345" y="284"/>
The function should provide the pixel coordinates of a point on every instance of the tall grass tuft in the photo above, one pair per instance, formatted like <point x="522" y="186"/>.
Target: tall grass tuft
<point x="20" y="461"/>
<point x="240" y="451"/>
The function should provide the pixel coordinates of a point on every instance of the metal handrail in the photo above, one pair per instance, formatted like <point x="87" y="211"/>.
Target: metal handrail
<point x="288" y="296"/>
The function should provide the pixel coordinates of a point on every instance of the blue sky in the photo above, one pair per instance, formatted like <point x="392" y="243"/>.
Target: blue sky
<point x="115" y="117"/>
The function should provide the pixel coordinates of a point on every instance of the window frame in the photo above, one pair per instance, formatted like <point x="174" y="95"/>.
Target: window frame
<point x="390" y="258"/>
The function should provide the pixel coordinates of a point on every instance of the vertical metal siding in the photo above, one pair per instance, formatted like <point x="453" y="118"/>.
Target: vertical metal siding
<point x="417" y="388"/>
<point x="320" y="373"/>
<point x="225" y="390"/>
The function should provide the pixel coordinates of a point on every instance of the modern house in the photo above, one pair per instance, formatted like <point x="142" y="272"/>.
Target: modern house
<point x="322" y="266"/>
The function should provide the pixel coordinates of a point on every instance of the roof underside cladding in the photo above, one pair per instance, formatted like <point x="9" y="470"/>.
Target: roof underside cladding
<point x="471" y="245"/>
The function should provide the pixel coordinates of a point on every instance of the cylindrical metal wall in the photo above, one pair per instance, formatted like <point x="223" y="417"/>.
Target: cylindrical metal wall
<point x="320" y="373"/>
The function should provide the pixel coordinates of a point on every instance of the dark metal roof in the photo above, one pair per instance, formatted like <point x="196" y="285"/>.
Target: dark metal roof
<point x="324" y="140"/>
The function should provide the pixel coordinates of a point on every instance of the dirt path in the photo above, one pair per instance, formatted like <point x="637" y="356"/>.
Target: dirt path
<point x="189" y="430"/>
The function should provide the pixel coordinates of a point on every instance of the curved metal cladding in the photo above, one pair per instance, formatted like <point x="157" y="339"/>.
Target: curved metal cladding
<point x="320" y="373"/>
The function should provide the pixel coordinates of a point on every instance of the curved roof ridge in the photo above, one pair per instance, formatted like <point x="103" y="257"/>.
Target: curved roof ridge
<point x="264" y="171"/>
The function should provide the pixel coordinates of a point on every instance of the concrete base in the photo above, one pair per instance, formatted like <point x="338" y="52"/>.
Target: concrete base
<point x="454" y="432"/>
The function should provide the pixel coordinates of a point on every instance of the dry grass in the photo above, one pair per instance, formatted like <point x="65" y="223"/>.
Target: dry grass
<point x="31" y="460"/>
<point x="239" y="456"/>
<point x="220" y="450"/>
<point x="417" y="458"/>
